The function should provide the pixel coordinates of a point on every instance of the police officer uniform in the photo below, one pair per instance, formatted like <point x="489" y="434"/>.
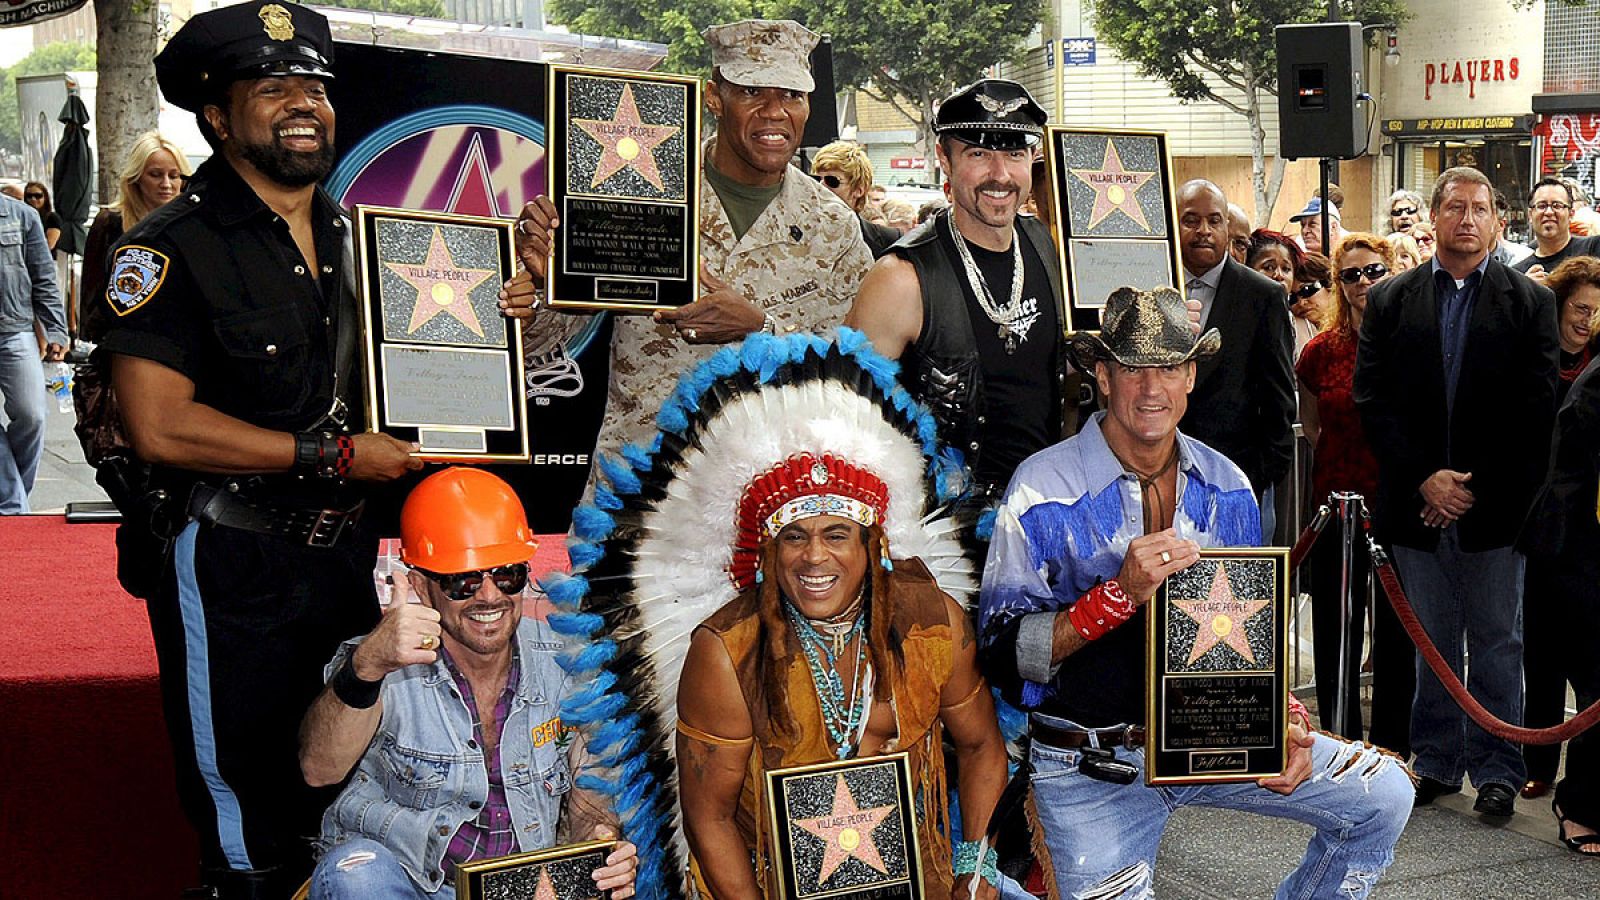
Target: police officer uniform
<point x="263" y="576"/>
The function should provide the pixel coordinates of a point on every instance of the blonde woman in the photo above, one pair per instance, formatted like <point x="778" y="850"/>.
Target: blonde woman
<point x="1406" y="253"/>
<point x="153" y="173"/>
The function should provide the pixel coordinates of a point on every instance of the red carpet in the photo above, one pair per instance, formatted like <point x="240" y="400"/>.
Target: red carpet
<point x="87" y="804"/>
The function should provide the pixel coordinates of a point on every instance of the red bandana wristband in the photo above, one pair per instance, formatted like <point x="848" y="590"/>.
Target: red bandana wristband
<point x="1103" y="608"/>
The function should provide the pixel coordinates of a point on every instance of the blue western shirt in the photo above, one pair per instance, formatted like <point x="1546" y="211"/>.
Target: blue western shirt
<point x="1069" y="514"/>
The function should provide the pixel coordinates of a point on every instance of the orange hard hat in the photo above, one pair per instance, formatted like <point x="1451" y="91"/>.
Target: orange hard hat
<point x="461" y="520"/>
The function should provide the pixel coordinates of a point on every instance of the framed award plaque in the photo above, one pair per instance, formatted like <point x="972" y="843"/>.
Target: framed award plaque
<point x="1111" y="196"/>
<point x="444" y="367"/>
<point x="560" y="873"/>
<point x="1216" y="690"/>
<point x="845" y="830"/>
<point x="624" y="165"/>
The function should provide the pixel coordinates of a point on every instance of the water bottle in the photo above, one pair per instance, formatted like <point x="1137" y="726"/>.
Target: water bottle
<point x="59" y="384"/>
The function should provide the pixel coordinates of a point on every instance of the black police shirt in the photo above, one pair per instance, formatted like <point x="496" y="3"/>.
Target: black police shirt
<point x="213" y="286"/>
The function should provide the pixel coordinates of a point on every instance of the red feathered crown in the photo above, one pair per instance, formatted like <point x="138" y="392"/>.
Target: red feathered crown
<point x="798" y="488"/>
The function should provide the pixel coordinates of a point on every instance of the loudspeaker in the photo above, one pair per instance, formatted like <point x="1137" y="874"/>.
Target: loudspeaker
<point x="1319" y="80"/>
<point x="823" y="126"/>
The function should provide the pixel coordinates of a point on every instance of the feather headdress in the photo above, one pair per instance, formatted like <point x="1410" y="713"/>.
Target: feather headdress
<point x="665" y="542"/>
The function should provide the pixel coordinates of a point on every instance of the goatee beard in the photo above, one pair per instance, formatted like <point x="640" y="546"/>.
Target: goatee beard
<point x="287" y="167"/>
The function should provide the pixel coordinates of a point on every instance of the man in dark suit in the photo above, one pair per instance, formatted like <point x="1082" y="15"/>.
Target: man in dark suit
<point x="1455" y="380"/>
<point x="1243" y="400"/>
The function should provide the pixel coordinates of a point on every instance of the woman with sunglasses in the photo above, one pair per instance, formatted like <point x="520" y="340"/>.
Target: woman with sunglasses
<point x="152" y="174"/>
<point x="36" y="195"/>
<point x="1343" y="461"/>
<point x="1422" y="233"/>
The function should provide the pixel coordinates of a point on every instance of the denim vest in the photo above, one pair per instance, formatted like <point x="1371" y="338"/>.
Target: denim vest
<point x="424" y="775"/>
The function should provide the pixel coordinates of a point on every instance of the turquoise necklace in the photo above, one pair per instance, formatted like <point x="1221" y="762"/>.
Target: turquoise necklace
<point x="841" y="712"/>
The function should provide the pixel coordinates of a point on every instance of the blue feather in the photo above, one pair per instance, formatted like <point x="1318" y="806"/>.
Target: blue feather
<point x="566" y="591"/>
<point x="579" y="625"/>
<point x="584" y="554"/>
<point x="637" y="456"/>
<point x="672" y="418"/>
<point x="603" y="707"/>
<point x="604" y="498"/>
<point x="619" y="473"/>
<point x="615" y="731"/>
<point x="592" y="657"/>
<point x="592" y="523"/>
<point x="986" y="519"/>
<point x="629" y="744"/>
<point x="590" y="693"/>
<point x="724" y="362"/>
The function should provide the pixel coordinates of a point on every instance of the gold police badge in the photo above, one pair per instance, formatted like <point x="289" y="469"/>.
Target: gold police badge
<point x="276" y="23"/>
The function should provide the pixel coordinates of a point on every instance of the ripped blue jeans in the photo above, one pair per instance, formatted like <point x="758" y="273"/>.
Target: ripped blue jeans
<point x="1103" y="837"/>
<point x="363" y="869"/>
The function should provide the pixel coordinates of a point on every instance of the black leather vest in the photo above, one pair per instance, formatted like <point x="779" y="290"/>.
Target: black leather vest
<point x="942" y="368"/>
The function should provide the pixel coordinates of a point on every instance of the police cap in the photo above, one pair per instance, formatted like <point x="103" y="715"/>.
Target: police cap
<point x="251" y="40"/>
<point x="992" y="113"/>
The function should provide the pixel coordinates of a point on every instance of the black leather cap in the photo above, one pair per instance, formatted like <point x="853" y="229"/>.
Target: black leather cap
<point x="1000" y="115"/>
<point x="251" y="40"/>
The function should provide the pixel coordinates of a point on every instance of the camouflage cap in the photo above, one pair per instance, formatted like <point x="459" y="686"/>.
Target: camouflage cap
<point x="764" y="53"/>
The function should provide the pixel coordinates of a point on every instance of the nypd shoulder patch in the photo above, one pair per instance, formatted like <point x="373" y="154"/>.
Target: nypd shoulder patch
<point x="136" y="274"/>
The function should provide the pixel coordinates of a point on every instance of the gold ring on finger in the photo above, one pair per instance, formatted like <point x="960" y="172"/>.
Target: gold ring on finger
<point x="428" y="642"/>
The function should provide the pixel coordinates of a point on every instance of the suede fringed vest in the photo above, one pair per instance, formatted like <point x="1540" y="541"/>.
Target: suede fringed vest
<point x="921" y="628"/>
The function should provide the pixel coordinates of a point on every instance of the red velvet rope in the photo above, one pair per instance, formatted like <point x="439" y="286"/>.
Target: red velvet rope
<point x="1430" y="654"/>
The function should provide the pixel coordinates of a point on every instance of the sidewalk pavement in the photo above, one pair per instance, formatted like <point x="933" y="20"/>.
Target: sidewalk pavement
<point x="1446" y="853"/>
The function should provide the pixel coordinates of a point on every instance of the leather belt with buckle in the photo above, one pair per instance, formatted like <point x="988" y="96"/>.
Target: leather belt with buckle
<point x="1126" y="736"/>
<point x="317" y="527"/>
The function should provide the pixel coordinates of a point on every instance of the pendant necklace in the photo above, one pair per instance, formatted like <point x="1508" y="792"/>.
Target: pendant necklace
<point x="1013" y="321"/>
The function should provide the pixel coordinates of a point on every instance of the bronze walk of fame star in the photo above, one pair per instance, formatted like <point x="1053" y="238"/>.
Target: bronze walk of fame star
<point x="1221" y="617"/>
<point x="846" y="831"/>
<point x="441" y="286"/>
<point x="544" y="890"/>
<point x="1114" y="188"/>
<point x="626" y="142"/>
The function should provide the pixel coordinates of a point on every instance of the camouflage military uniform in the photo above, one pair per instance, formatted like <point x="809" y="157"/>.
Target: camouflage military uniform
<point x="801" y="262"/>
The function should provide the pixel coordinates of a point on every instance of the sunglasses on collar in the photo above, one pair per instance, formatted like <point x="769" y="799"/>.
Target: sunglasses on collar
<point x="458" y="586"/>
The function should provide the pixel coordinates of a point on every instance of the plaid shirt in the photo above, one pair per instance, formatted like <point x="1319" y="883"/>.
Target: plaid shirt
<point x="490" y="834"/>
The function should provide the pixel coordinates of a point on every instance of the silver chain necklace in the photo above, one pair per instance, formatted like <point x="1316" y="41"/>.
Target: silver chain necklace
<point x="1013" y="320"/>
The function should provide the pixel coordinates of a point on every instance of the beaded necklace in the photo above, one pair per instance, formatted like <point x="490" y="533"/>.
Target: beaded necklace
<point x="841" y="712"/>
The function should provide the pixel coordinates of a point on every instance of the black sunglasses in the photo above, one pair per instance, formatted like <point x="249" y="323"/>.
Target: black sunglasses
<point x="832" y="181"/>
<point x="1403" y="211"/>
<point x="33" y="196"/>
<point x="459" y="586"/>
<point x="1373" y="271"/>
<point x="1307" y="291"/>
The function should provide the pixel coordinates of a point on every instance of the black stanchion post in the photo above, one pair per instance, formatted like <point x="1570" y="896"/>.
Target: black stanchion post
<point x="1348" y="505"/>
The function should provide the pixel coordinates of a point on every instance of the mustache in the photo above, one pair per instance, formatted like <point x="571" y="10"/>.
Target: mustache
<point x="997" y="186"/>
